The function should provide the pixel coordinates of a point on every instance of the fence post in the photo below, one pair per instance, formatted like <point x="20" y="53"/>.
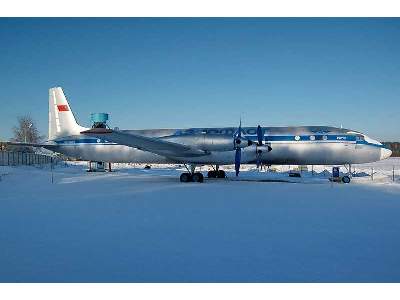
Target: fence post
<point x="393" y="174"/>
<point x="52" y="176"/>
<point x="372" y="173"/>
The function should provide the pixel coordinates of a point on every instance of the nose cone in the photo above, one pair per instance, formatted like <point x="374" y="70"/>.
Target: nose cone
<point x="385" y="153"/>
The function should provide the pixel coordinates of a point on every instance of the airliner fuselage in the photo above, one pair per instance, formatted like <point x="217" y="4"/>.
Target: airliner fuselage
<point x="305" y="145"/>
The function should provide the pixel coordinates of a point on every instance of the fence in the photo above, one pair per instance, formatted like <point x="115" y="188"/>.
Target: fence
<point x="10" y="158"/>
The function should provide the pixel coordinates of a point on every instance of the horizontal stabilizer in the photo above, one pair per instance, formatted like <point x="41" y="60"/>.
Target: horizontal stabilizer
<point x="29" y="144"/>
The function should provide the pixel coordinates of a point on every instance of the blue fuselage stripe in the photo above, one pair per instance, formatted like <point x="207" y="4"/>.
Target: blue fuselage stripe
<point x="270" y="138"/>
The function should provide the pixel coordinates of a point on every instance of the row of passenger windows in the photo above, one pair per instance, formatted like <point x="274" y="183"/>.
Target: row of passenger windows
<point x="218" y="131"/>
<point x="253" y="131"/>
<point x="313" y="137"/>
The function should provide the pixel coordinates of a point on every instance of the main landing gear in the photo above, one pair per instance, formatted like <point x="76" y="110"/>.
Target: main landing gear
<point x="191" y="175"/>
<point x="216" y="173"/>
<point x="196" y="177"/>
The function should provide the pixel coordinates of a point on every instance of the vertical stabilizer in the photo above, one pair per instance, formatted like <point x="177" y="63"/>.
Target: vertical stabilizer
<point x="61" y="119"/>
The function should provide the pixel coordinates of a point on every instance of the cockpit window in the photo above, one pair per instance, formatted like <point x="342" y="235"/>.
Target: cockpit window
<point x="360" y="137"/>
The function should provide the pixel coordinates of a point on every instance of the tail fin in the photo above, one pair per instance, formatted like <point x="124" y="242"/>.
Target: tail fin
<point x="61" y="119"/>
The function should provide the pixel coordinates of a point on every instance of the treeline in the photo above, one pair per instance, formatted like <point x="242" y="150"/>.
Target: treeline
<point x="394" y="146"/>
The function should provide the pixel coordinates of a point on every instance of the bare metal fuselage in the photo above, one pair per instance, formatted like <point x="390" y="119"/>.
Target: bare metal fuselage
<point x="317" y="145"/>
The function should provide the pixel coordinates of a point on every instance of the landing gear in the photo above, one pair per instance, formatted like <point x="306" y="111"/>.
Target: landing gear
<point x="196" y="177"/>
<point x="191" y="175"/>
<point x="186" y="177"/>
<point x="216" y="174"/>
<point x="346" y="179"/>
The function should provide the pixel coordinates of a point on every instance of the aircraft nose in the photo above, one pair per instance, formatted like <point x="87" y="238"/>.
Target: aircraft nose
<point x="385" y="153"/>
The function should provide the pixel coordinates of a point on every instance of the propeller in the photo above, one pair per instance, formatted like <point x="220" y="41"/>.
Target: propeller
<point x="259" y="143"/>
<point x="259" y="135"/>
<point x="239" y="143"/>
<point x="238" y="149"/>
<point x="260" y="146"/>
<point x="238" y="155"/>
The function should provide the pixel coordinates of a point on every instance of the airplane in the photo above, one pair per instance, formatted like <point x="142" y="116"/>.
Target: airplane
<point x="193" y="147"/>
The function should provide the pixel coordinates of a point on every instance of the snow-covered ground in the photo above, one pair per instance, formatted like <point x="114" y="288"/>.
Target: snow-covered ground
<point x="136" y="225"/>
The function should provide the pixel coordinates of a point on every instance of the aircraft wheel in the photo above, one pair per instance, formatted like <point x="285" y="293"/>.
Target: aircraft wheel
<point x="198" y="177"/>
<point x="212" y="174"/>
<point x="186" y="177"/>
<point x="346" y="179"/>
<point x="221" y="174"/>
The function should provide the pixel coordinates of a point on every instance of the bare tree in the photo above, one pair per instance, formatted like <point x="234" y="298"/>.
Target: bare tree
<point x="26" y="131"/>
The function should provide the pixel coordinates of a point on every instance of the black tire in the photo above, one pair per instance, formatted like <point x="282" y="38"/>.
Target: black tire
<point x="212" y="174"/>
<point x="186" y="177"/>
<point x="198" y="177"/>
<point x="221" y="174"/>
<point x="346" y="179"/>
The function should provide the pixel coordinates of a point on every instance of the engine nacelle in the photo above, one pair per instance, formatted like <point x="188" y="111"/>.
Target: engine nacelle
<point x="263" y="149"/>
<point x="209" y="142"/>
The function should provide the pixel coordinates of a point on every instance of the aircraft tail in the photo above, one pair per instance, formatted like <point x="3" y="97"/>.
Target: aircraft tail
<point x="61" y="119"/>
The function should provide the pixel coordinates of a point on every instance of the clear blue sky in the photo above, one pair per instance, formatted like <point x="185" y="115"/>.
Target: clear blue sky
<point x="173" y="73"/>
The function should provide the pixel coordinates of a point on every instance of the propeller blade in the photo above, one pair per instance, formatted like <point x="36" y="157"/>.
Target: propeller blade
<point x="238" y="155"/>
<point x="258" y="155"/>
<point x="237" y="137"/>
<point x="258" y="160"/>
<point x="259" y="135"/>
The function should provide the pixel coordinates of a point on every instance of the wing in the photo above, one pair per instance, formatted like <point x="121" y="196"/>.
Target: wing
<point x="153" y="145"/>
